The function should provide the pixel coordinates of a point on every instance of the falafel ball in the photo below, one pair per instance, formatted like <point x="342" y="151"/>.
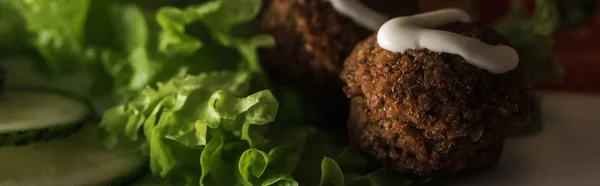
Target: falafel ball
<point x="422" y="112"/>
<point x="313" y="40"/>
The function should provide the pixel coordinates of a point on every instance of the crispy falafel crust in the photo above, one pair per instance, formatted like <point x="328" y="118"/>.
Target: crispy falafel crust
<point x="313" y="41"/>
<point x="423" y="112"/>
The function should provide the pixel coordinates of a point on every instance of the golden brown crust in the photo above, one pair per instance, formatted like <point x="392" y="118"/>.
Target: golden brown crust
<point x="427" y="111"/>
<point x="405" y="148"/>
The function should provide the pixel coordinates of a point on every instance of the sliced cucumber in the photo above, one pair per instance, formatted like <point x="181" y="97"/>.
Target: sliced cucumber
<point x="77" y="160"/>
<point x="28" y="115"/>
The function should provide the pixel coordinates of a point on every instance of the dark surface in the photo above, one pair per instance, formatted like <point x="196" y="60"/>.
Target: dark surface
<point x="423" y="112"/>
<point x="575" y="13"/>
<point x="2" y="78"/>
<point x="312" y="42"/>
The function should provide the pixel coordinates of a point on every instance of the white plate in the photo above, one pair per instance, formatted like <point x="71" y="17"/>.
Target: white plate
<point x="566" y="152"/>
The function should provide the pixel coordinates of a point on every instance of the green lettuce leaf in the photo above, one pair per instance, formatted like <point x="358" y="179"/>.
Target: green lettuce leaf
<point x="331" y="173"/>
<point x="134" y="44"/>
<point x="182" y="44"/>
<point x="179" y="117"/>
<point x="252" y="164"/>
<point x="219" y="17"/>
<point x="57" y="29"/>
<point x="128" y="59"/>
<point x="173" y="39"/>
<point x="95" y="36"/>
<point x="532" y="38"/>
<point x="173" y="95"/>
<point x="222" y="166"/>
<point x="12" y="30"/>
<point x="350" y="168"/>
<point x="236" y="13"/>
<point x="117" y="26"/>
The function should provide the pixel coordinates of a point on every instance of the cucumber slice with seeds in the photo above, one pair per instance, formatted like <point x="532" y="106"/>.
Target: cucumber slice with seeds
<point x="28" y="116"/>
<point x="78" y="160"/>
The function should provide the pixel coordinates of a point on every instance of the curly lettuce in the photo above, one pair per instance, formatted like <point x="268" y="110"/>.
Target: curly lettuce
<point x="210" y="129"/>
<point x="207" y="130"/>
<point x="135" y="45"/>
<point x="57" y="30"/>
<point x="181" y="116"/>
<point x="220" y="18"/>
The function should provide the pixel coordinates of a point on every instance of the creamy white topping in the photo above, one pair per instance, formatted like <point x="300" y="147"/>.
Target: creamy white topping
<point x="417" y="32"/>
<point x="359" y="13"/>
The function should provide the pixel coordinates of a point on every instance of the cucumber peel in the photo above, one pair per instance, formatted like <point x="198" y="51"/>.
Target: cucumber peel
<point x="78" y="160"/>
<point x="28" y="116"/>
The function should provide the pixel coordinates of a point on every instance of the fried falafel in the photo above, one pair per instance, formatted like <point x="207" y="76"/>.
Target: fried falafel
<point x="421" y="112"/>
<point x="313" y="40"/>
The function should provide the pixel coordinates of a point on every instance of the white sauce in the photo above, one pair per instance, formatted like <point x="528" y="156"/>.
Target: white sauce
<point x="417" y="32"/>
<point x="359" y="13"/>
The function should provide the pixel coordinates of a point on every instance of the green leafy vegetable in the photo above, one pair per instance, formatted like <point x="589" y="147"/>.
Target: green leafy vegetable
<point x="220" y="18"/>
<point x="12" y="37"/>
<point x="129" y="59"/>
<point x="173" y="39"/>
<point x="153" y="101"/>
<point x="532" y="38"/>
<point x="331" y="173"/>
<point x="253" y="164"/>
<point x="57" y="28"/>
<point x="138" y="47"/>
<point x="238" y="12"/>
<point x="179" y="117"/>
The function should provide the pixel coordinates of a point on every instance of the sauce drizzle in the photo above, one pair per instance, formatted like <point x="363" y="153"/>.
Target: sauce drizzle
<point x="359" y="13"/>
<point x="417" y="32"/>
